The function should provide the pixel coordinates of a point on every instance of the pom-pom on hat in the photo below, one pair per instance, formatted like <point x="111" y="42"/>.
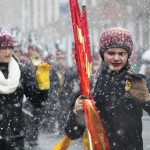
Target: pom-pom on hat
<point x="6" y="39"/>
<point x="116" y="38"/>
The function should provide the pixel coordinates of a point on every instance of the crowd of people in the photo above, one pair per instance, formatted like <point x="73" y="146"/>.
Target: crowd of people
<point x="43" y="93"/>
<point x="64" y="84"/>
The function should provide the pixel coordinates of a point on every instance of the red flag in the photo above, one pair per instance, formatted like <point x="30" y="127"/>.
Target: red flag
<point x="96" y="133"/>
<point x="84" y="67"/>
<point x="82" y="46"/>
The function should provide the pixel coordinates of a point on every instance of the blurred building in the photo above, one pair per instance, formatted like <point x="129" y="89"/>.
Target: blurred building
<point x="50" y="20"/>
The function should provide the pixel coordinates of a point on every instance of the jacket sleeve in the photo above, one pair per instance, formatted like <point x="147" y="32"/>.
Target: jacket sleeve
<point x="75" y="125"/>
<point x="33" y="94"/>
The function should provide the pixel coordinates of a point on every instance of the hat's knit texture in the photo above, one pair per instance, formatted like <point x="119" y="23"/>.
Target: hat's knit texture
<point x="6" y="39"/>
<point x="116" y="38"/>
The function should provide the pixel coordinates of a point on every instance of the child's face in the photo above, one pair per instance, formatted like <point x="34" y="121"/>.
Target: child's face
<point x="16" y="52"/>
<point x="61" y="61"/>
<point x="115" y="58"/>
<point x="6" y="54"/>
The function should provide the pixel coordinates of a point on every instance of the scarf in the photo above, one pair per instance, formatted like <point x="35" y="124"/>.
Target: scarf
<point x="9" y="85"/>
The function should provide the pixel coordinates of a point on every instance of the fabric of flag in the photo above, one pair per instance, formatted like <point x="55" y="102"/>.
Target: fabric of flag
<point x="97" y="139"/>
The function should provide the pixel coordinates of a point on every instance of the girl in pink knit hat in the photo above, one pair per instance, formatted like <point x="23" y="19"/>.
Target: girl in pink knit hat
<point x="17" y="81"/>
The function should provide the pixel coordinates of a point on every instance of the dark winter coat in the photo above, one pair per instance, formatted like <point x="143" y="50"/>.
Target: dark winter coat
<point x="11" y="117"/>
<point x="53" y="99"/>
<point x="70" y="87"/>
<point x="121" y="115"/>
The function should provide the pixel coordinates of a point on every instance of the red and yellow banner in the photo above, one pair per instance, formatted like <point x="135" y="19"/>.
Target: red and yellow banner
<point x="95" y="138"/>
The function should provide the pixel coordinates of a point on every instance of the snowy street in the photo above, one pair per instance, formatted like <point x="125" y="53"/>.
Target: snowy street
<point x="48" y="141"/>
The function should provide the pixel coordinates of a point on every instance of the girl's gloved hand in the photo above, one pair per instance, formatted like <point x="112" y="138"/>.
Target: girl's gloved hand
<point x="43" y="77"/>
<point x="139" y="90"/>
<point x="78" y="107"/>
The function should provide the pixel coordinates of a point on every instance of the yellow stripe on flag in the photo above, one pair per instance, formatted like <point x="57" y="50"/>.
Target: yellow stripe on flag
<point x="63" y="144"/>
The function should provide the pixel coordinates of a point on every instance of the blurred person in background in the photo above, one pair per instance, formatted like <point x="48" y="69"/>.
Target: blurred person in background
<point x="35" y="57"/>
<point x="96" y="62"/>
<point x="71" y="81"/>
<point x="60" y="70"/>
<point x="50" y="111"/>
<point x="32" y="115"/>
<point x="17" y="51"/>
<point x="70" y="88"/>
<point x="61" y="66"/>
<point x="19" y="54"/>
<point x="24" y="58"/>
<point x="139" y="61"/>
<point x="16" y="81"/>
<point x="50" y="59"/>
<point x="145" y="62"/>
<point x="96" y="65"/>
